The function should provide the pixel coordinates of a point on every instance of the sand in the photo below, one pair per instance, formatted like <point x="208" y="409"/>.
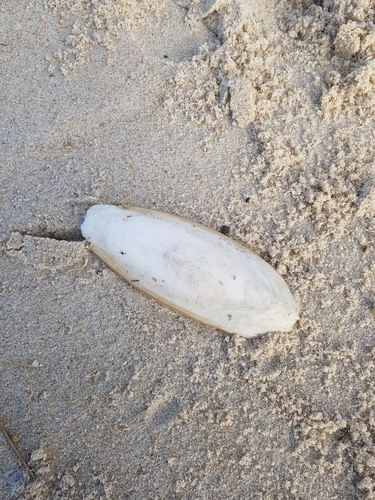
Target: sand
<point x="255" y="115"/>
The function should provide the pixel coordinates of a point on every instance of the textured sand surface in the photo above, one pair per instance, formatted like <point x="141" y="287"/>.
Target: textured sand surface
<point x="259" y="116"/>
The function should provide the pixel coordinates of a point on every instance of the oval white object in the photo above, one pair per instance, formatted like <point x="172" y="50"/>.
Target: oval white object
<point x="192" y="269"/>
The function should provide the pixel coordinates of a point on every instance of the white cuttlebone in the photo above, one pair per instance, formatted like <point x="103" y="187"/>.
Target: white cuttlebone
<point x="192" y="269"/>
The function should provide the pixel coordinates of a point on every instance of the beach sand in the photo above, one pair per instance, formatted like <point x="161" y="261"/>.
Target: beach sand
<point x="259" y="116"/>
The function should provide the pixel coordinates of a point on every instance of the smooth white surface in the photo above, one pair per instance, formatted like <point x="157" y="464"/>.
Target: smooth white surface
<point x="191" y="268"/>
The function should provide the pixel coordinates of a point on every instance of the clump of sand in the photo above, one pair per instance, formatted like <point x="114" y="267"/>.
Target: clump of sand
<point x="262" y="51"/>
